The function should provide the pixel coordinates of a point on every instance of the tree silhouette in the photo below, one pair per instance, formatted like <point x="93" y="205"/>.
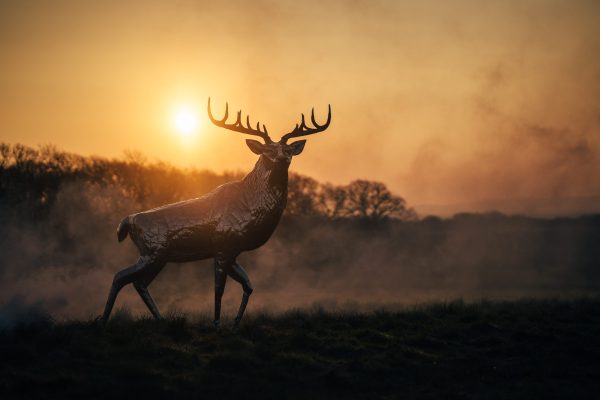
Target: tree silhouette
<point x="373" y="200"/>
<point x="31" y="178"/>
<point x="302" y="195"/>
<point x="332" y="200"/>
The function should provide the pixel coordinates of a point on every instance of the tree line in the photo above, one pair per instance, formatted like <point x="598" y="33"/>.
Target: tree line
<point x="31" y="178"/>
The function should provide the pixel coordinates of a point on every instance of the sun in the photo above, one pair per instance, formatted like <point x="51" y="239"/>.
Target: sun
<point x="185" y="121"/>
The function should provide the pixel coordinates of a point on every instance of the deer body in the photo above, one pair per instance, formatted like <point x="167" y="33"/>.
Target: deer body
<point x="235" y="217"/>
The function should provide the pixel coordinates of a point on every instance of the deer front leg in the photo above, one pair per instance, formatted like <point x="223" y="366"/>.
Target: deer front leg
<point x="222" y="264"/>
<point x="238" y="274"/>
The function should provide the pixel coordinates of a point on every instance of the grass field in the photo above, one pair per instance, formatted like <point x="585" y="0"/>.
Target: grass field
<point x="526" y="349"/>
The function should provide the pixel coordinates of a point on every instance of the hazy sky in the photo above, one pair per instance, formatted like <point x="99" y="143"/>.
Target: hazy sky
<point x="444" y="101"/>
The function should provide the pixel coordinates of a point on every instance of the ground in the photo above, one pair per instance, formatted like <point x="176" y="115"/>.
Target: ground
<point x="525" y="349"/>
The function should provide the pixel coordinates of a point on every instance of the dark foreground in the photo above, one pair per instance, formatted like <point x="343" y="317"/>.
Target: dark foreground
<point x="525" y="349"/>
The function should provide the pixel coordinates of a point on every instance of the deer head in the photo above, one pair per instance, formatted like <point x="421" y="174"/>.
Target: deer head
<point x="276" y="152"/>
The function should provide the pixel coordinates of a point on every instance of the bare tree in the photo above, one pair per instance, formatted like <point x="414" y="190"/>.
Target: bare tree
<point x="302" y="195"/>
<point x="373" y="200"/>
<point x="4" y="155"/>
<point x="332" y="200"/>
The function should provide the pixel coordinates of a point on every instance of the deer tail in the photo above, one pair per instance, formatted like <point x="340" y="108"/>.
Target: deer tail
<point x="123" y="229"/>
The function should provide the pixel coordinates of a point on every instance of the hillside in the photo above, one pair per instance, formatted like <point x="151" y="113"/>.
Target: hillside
<point x="525" y="349"/>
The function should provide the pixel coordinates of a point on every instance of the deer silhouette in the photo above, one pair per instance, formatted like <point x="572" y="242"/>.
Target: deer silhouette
<point x="235" y="217"/>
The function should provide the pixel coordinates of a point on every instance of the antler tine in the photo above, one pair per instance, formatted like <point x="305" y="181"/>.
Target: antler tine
<point x="213" y="119"/>
<point x="303" y="130"/>
<point x="312" y="117"/>
<point x="238" y="126"/>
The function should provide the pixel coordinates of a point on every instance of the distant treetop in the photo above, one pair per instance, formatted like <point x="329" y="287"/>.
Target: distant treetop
<point x="30" y="179"/>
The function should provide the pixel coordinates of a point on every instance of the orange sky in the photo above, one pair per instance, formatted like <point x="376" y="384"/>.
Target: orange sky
<point x="445" y="101"/>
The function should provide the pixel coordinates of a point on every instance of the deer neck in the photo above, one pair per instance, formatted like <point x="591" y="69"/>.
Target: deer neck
<point x="266" y="185"/>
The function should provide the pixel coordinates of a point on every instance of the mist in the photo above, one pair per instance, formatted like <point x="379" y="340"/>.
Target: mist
<point x="63" y="264"/>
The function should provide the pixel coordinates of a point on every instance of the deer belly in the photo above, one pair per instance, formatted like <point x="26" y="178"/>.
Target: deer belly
<point x="245" y="233"/>
<point x="189" y="241"/>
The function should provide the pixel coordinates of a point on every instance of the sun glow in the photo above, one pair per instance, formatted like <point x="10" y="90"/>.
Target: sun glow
<point x="185" y="121"/>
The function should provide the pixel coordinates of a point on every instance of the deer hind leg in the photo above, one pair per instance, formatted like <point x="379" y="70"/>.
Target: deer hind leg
<point x="122" y="278"/>
<point x="146" y="276"/>
<point x="222" y="264"/>
<point x="238" y="274"/>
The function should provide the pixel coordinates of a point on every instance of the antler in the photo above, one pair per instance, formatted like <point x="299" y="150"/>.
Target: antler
<point x="303" y="130"/>
<point x="238" y="126"/>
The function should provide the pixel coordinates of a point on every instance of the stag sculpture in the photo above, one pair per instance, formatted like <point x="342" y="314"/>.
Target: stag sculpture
<point x="235" y="217"/>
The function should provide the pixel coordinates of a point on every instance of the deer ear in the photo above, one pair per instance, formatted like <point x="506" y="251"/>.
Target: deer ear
<point x="297" y="147"/>
<point x="256" y="146"/>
